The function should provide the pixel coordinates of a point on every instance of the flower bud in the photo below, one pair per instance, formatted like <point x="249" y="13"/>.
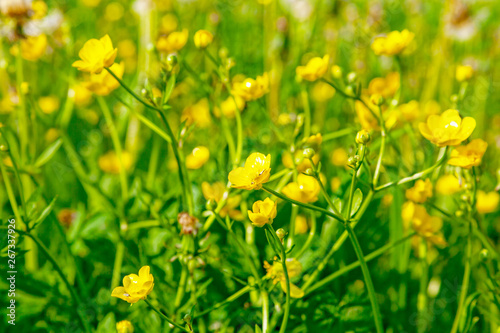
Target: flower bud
<point x="203" y="38"/>
<point x="351" y="77"/>
<point x="309" y="172"/>
<point x="484" y="255"/>
<point x="377" y="99"/>
<point x="363" y="137"/>
<point x="171" y="61"/>
<point x="349" y="90"/>
<point x="124" y="326"/>
<point x="281" y="233"/>
<point x="454" y="98"/>
<point x="336" y="71"/>
<point x="309" y="153"/>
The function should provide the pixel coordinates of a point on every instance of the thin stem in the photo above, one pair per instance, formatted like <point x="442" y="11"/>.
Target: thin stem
<point x="307" y="113"/>
<point x="170" y="321"/>
<point x="465" y="284"/>
<point x="424" y="280"/>
<point x="230" y="299"/>
<point x="117" y="267"/>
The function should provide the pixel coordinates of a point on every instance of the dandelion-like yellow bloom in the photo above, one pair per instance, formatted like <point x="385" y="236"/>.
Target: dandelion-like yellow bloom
<point x="253" y="174"/>
<point x="198" y="157"/>
<point x="469" y="155"/>
<point x="95" y="55"/>
<point x="425" y="225"/>
<point x="305" y="190"/>
<point x="110" y="163"/>
<point x="447" y="129"/>
<point x="487" y="202"/>
<point x="135" y="287"/>
<point x="203" y="38"/>
<point x="420" y="192"/>
<point x="394" y="43"/>
<point x="103" y="84"/>
<point x="216" y="192"/>
<point x="251" y="89"/>
<point x="124" y="326"/>
<point x="315" y="68"/>
<point x="173" y="42"/>
<point x="447" y="185"/>
<point x="33" y="47"/>
<point x="263" y="212"/>
<point x="464" y="73"/>
<point x="276" y="273"/>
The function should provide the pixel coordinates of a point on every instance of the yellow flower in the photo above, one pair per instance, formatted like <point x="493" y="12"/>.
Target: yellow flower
<point x="109" y="162"/>
<point x="339" y="157"/>
<point x="124" y="326"/>
<point x="487" y="202"/>
<point x="216" y="192"/>
<point x="229" y="106"/>
<point x="365" y="117"/>
<point x="103" y="84"/>
<point x="305" y="190"/>
<point x="385" y="86"/>
<point x="448" y="129"/>
<point x="198" y="157"/>
<point x="394" y="43"/>
<point x="251" y="89"/>
<point x="301" y="226"/>
<point x="469" y="155"/>
<point x="95" y="55"/>
<point x="263" y="212"/>
<point x="81" y="95"/>
<point x="203" y="38"/>
<point x="410" y="111"/>
<point x="135" y="287"/>
<point x="464" y="73"/>
<point x="48" y="104"/>
<point x="322" y="92"/>
<point x="420" y="192"/>
<point x="198" y="114"/>
<point x="425" y="225"/>
<point x="173" y="42"/>
<point x="335" y="183"/>
<point x="298" y="161"/>
<point x="33" y="47"/>
<point x="169" y="23"/>
<point x="39" y="10"/>
<point x="276" y="273"/>
<point x="315" y="68"/>
<point x="447" y="185"/>
<point x="256" y="172"/>
<point x="51" y="135"/>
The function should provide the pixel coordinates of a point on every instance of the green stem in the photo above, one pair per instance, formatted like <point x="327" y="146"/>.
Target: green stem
<point x="424" y="280"/>
<point x="10" y="194"/>
<point x="170" y="321"/>
<point x="307" y="113"/>
<point x="265" y="310"/>
<point x="230" y="299"/>
<point x="117" y="267"/>
<point x="337" y="134"/>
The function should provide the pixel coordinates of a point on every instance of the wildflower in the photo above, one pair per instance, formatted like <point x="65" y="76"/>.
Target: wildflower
<point x="124" y="326"/>
<point x="81" y="95"/>
<point x="385" y="86"/>
<point x="469" y="155"/>
<point x="487" y="202"/>
<point x="298" y="160"/>
<point x="409" y="111"/>
<point x="363" y="137"/>
<point x="425" y="225"/>
<point x="256" y="172"/>
<point x="135" y="287"/>
<point x="189" y="224"/>
<point x="66" y="216"/>
<point x="95" y="55"/>
<point x="336" y="71"/>
<point x="339" y="157"/>
<point x="216" y="192"/>
<point x="169" y="23"/>
<point x="110" y="163"/>
<point x="335" y="183"/>
<point x="198" y="157"/>
<point x="420" y="192"/>
<point x="263" y="212"/>
<point x="104" y="83"/>
<point x="276" y="273"/>
<point x="251" y="89"/>
<point x="301" y="226"/>
<point x="198" y="113"/>
<point x="48" y="104"/>
<point x="447" y="185"/>
<point x="173" y="42"/>
<point x="387" y="200"/>
<point x="315" y="68"/>
<point x="51" y="135"/>
<point x="322" y="92"/>
<point x="314" y="141"/>
<point x="464" y="73"/>
<point x="229" y="106"/>
<point x="366" y="118"/>
<point x="33" y="47"/>
<point x="305" y="190"/>
<point x="448" y="129"/>
<point x="39" y="10"/>
<point x="394" y="43"/>
<point x="203" y="38"/>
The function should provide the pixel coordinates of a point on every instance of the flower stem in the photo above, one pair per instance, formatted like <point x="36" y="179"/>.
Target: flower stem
<point x="170" y="321"/>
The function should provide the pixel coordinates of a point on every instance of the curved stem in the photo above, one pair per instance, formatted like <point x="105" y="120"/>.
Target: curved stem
<point x="170" y="321"/>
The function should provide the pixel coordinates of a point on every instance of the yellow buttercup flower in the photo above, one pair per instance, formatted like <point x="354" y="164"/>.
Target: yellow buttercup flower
<point x="251" y="89"/>
<point x="366" y="118"/>
<point x="448" y="185"/>
<point x="256" y="172"/>
<point x="339" y="157"/>
<point x="425" y="225"/>
<point x="305" y="190"/>
<point x="315" y="68"/>
<point x="410" y="111"/>
<point x="217" y="191"/>
<point x="124" y="326"/>
<point x="33" y="47"/>
<point x="48" y="104"/>
<point x="198" y="113"/>
<point x="335" y="183"/>
<point x="469" y="155"/>
<point x="322" y="92"/>
<point x="203" y="38"/>
<point x="135" y="287"/>
<point x="95" y="55"/>
<point x="464" y="73"/>
<point x="487" y="202"/>
<point x="103" y="84"/>
<point x="276" y="273"/>
<point x="298" y="160"/>
<point x="110" y="163"/>
<point x="448" y="129"/>
<point x="394" y="43"/>
<point x="385" y="86"/>
<point x="173" y="42"/>
<point x="39" y="10"/>
<point x="81" y="95"/>
<point x="198" y="157"/>
<point x="229" y="107"/>
<point x="263" y="212"/>
<point x="301" y="225"/>
<point x="420" y="192"/>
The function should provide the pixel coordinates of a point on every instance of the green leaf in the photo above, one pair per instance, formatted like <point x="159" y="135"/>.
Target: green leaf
<point x="107" y="324"/>
<point x="43" y="215"/>
<point x="338" y="204"/>
<point x="356" y="201"/>
<point x="169" y="88"/>
<point x="257" y="329"/>
<point x="48" y="153"/>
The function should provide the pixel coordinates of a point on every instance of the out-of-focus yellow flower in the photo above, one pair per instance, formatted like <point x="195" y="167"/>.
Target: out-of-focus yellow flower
<point x="114" y="11"/>
<point x="169" y="23"/>
<point x="198" y="114"/>
<point x="110" y="163"/>
<point x="251" y="89"/>
<point x="301" y="226"/>
<point x="425" y="225"/>
<point x="314" y="141"/>
<point x="363" y="137"/>
<point x="464" y="73"/>
<point x="124" y="326"/>
<point x="135" y="287"/>
<point x="410" y="111"/>
<point x="336" y="71"/>
<point x="315" y="68"/>
<point x="229" y="106"/>
<point x="385" y="86"/>
<point x="103" y="84"/>
<point x="469" y="155"/>
<point x="394" y="43"/>
<point x="276" y="273"/>
<point x="305" y="190"/>
<point x="322" y="92"/>
<point x="91" y="3"/>
<point x="33" y="47"/>
<point x="298" y="161"/>
<point x="420" y="192"/>
<point x="203" y="38"/>
<point x="448" y="129"/>
<point x="365" y="117"/>
<point x="253" y="174"/>
<point x="7" y="161"/>
<point x="81" y="95"/>
<point x="95" y="55"/>
<point x="48" y="104"/>
<point x="263" y="212"/>
<point x="339" y="157"/>
<point x="487" y="202"/>
<point x="39" y="10"/>
<point x="173" y="42"/>
<point x="128" y="52"/>
<point x="51" y="135"/>
<point x="447" y="185"/>
<point x="387" y="200"/>
<point x="198" y="157"/>
<point x="216" y="192"/>
<point x="335" y="183"/>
